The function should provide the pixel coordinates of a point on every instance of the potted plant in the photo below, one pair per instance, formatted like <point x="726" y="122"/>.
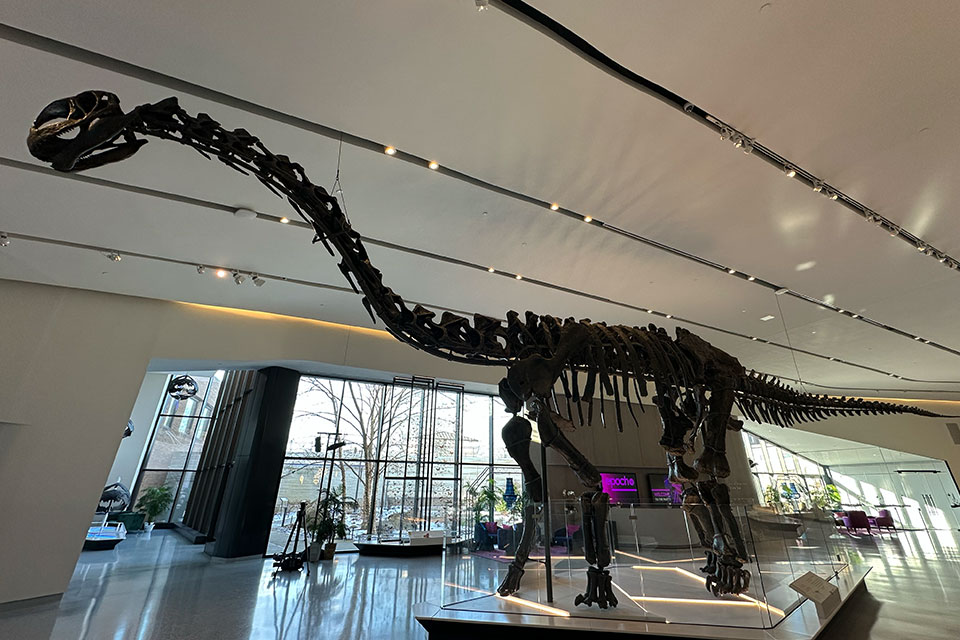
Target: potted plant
<point x="153" y="502"/>
<point x="771" y="495"/>
<point x="328" y="524"/>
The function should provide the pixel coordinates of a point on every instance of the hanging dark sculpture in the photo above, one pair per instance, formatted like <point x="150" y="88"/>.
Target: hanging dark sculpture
<point x="182" y="387"/>
<point x="696" y="385"/>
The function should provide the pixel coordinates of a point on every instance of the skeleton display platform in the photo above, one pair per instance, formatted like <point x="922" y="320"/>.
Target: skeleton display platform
<point x="647" y="617"/>
<point x="419" y="543"/>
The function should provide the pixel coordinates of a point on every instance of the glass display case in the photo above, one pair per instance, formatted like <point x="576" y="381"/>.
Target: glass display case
<point x="655" y="569"/>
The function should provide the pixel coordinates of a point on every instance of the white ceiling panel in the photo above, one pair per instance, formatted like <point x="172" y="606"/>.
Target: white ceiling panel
<point x="863" y="94"/>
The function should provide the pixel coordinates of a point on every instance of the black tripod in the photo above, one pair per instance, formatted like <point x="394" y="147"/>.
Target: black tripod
<point x="293" y="560"/>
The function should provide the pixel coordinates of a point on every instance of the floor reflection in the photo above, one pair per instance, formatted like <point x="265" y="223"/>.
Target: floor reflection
<point x="158" y="587"/>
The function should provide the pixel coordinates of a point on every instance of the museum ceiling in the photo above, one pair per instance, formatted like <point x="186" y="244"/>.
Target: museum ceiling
<point x="862" y="94"/>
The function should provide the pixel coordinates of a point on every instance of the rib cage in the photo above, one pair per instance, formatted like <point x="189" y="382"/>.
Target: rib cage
<point x="617" y="360"/>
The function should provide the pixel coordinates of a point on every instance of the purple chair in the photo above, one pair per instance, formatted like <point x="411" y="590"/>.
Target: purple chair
<point x="883" y="520"/>
<point x="854" y="520"/>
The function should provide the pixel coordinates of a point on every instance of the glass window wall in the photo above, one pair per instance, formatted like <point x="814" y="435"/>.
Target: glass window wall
<point x="177" y="441"/>
<point x="413" y="453"/>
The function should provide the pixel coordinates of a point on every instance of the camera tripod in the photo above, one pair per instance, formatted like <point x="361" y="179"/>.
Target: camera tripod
<point x="293" y="560"/>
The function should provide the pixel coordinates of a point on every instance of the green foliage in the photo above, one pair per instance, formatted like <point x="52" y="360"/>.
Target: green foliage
<point x="486" y="500"/>
<point x="833" y="495"/>
<point x="772" y="496"/>
<point x="329" y="521"/>
<point x="155" y="501"/>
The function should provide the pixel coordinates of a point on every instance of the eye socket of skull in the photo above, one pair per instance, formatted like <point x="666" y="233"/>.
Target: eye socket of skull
<point x="87" y="101"/>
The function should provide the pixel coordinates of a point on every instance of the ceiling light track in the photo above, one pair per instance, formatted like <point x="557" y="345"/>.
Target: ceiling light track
<point x="208" y="204"/>
<point x="576" y="44"/>
<point x="85" y="56"/>
<point x="259" y="278"/>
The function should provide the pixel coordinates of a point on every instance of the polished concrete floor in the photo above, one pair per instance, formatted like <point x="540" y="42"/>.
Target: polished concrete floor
<point x="158" y="587"/>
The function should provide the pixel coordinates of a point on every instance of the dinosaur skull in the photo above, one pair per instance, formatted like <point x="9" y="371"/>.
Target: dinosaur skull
<point x="82" y="132"/>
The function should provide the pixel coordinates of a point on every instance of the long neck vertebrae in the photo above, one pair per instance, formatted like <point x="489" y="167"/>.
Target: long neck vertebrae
<point x="484" y="341"/>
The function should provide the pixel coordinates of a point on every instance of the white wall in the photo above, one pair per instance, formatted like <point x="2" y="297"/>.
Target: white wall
<point x="130" y="453"/>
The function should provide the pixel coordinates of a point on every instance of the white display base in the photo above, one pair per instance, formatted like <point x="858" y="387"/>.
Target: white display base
<point x="488" y="615"/>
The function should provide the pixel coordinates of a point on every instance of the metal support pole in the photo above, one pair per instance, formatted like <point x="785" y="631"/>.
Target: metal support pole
<point x="547" y="533"/>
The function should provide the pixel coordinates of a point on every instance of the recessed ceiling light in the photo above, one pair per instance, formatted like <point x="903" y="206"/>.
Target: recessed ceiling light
<point x="587" y="219"/>
<point x="926" y="342"/>
<point x="751" y="278"/>
<point x="731" y="271"/>
<point x="669" y="315"/>
<point x="221" y="273"/>
<point x="434" y="165"/>
<point x="753" y="338"/>
<point x="390" y="151"/>
<point x="649" y="310"/>
<point x="284" y="220"/>
<point x="856" y="315"/>
<point x="491" y="270"/>
<point x="554" y="206"/>
<point x="916" y="337"/>
<point x="767" y="318"/>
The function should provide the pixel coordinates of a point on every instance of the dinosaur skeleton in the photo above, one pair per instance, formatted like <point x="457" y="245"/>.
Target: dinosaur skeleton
<point x="696" y="385"/>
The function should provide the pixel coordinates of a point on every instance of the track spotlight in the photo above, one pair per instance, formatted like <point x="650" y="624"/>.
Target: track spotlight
<point x="434" y="165"/>
<point x="221" y="273"/>
<point x="587" y="219"/>
<point x="490" y="269"/>
<point x="518" y="277"/>
<point x="751" y="278"/>
<point x="817" y="186"/>
<point x="921" y="248"/>
<point x="239" y="278"/>
<point x="257" y="280"/>
<point x="201" y="269"/>
<point x="113" y="255"/>
<point x="4" y="240"/>
<point x="732" y="271"/>
<point x="789" y="171"/>
<point x="483" y="5"/>
<point x="390" y="151"/>
<point x="284" y="220"/>
<point x="554" y="206"/>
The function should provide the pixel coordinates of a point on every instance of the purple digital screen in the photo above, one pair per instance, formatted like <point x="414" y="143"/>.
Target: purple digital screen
<point x="662" y="491"/>
<point x="621" y="487"/>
